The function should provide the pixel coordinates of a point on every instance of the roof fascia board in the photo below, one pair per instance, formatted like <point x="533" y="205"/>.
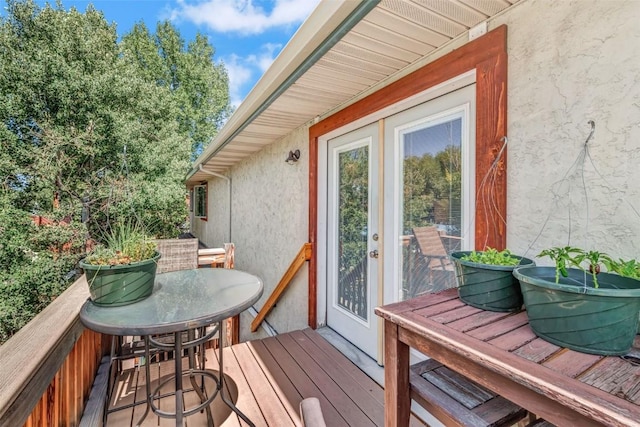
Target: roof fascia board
<point x="327" y="24"/>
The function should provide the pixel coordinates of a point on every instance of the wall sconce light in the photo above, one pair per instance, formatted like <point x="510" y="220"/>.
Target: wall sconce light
<point x="294" y="156"/>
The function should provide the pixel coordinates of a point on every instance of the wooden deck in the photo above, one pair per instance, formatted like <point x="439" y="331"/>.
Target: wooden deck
<point x="268" y="378"/>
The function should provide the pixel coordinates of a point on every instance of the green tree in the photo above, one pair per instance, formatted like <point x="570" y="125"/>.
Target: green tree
<point x="95" y="128"/>
<point x="36" y="263"/>
<point x="199" y="86"/>
<point x="354" y="207"/>
<point x="432" y="188"/>
<point x="104" y="127"/>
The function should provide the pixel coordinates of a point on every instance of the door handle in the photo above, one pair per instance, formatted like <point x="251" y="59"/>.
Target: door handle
<point x="373" y="253"/>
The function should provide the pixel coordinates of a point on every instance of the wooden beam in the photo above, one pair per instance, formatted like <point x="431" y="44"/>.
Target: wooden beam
<point x="302" y="256"/>
<point x="312" y="319"/>
<point x="94" y="409"/>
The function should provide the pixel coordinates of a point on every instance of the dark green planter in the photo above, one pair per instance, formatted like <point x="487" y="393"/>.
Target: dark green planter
<point x="489" y="287"/>
<point x="114" y="285"/>
<point x="578" y="316"/>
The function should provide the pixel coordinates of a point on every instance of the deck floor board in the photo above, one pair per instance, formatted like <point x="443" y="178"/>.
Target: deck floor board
<point x="267" y="379"/>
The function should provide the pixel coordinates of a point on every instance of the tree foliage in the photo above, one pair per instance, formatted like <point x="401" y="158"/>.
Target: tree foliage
<point x="98" y="128"/>
<point x="37" y="263"/>
<point x="432" y="189"/>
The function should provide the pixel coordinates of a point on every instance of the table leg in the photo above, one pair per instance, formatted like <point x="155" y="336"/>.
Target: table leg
<point x="147" y="370"/>
<point x="397" y="399"/>
<point x="200" y="389"/>
<point x="226" y="400"/>
<point x="177" y="357"/>
<point x="112" y="378"/>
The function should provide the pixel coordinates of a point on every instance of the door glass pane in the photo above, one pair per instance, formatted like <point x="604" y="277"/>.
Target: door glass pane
<point x="353" y="213"/>
<point x="431" y="205"/>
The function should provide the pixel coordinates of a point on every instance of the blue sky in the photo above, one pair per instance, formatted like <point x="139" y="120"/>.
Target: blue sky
<point x="247" y="34"/>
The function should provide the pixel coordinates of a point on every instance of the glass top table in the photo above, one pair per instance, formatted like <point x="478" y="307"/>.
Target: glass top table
<point x="182" y="301"/>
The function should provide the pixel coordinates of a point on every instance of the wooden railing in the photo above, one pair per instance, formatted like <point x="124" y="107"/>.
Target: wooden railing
<point x="48" y="367"/>
<point x="298" y="261"/>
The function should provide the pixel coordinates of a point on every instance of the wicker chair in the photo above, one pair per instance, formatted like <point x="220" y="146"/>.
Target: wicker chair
<point x="431" y="269"/>
<point x="177" y="254"/>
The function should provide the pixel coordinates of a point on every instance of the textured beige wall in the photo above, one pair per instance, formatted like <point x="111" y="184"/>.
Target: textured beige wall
<point x="270" y="224"/>
<point x="571" y="62"/>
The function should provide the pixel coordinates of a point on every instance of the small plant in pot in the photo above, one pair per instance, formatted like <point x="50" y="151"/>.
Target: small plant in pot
<point x="485" y="279"/>
<point x="123" y="270"/>
<point x="578" y="306"/>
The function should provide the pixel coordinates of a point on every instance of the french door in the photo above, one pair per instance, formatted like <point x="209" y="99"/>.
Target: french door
<point x="426" y="190"/>
<point x="429" y="162"/>
<point x="352" y="291"/>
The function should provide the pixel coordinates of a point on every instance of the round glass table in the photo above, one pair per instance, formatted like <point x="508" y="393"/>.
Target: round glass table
<point x="189" y="306"/>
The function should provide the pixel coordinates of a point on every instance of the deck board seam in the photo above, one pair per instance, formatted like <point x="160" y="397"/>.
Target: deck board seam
<point x="328" y="370"/>
<point x="271" y="381"/>
<point x="330" y="386"/>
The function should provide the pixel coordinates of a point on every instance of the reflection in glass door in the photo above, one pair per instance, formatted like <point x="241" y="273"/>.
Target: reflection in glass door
<point x="352" y="218"/>
<point x="433" y="175"/>
<point x="353" y="222"/>
<point x="431" y="205"/>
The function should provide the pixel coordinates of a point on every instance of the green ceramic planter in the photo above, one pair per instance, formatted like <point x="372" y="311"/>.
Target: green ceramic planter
<point x="489" y="287"/>
<point x="574" y="314"/>
<point x="117" y="285"/>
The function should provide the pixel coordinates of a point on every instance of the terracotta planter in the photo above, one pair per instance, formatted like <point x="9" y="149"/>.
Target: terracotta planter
<point x="489" y="287"/>
<point x="115" y="285"/>
<point x="575" y="314"/>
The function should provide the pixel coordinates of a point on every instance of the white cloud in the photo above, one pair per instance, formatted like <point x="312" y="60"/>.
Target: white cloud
<point x="265" y="58"/>
<point x="239" y="74"/>
<point x="243" y="16"/>
<point x="242" y="69"/>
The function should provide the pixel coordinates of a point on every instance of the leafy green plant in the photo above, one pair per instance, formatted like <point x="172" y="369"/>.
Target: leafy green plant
<point x="594" y="258"/>
<point x="492" y="256"/>
<point x="564" y="257"/>
<point x="124" y="245"/>
<point x="568" y="256"/>
<point x="626" y="268"/>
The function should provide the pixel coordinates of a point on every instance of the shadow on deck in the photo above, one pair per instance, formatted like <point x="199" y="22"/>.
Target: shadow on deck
<point x="267" y="380"/>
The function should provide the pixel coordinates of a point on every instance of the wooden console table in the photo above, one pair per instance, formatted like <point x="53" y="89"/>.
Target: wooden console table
<point x="501" y="352"/>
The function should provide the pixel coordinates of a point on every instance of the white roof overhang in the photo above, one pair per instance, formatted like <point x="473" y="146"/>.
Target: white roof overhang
<point x="342" y="51"/>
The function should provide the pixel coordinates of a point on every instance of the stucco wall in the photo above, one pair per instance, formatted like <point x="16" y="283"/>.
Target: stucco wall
<point x="571" y="62"/>
<point x="269" y="226"/>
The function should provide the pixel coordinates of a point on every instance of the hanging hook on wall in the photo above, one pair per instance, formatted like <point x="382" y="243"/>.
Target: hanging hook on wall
<point x="593" y="129"/>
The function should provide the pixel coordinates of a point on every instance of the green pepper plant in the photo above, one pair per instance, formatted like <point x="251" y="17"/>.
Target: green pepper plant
<point x="569" y="256"/>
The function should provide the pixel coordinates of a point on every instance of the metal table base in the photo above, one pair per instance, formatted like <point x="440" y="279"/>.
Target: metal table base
<point x="194" y="372"/>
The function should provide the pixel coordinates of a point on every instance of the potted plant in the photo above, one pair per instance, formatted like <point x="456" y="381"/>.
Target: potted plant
<point x="485" y="279"/>
<point x="123" y="270"/>
<point x="578" y="306"/>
